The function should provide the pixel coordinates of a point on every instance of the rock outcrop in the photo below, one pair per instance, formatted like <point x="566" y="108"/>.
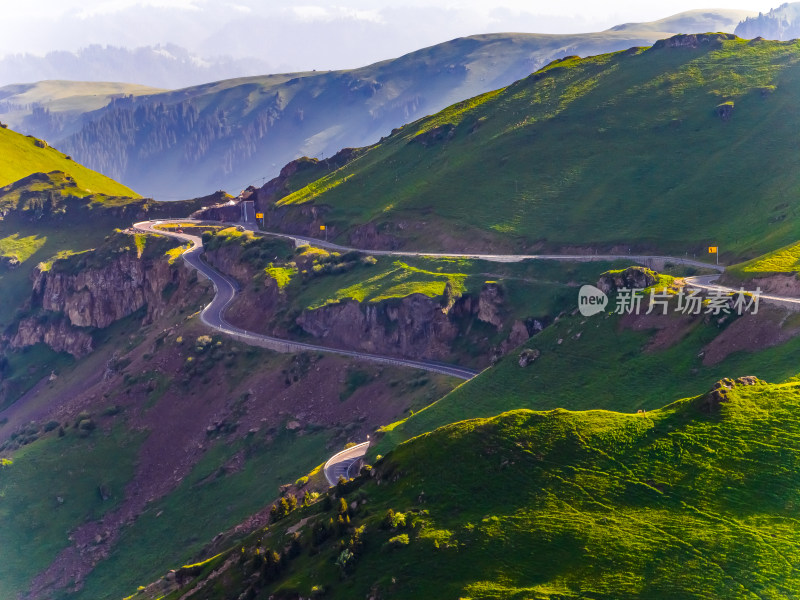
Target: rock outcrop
<point x="9" y="262"/>
<point x="724" y="111"/>
<point x="719" y="392"/>
<point x="67" y="302"/>
<point x="414" y="326"/>
<point x="58" y="334"/>
<point x="490" y="302"/>
<point x="528" y="356"/>
<point x="97" y="297"/>
<point x="631" y="278"/>
<point x="693" y="40"/>
<point x="225" y="212"/>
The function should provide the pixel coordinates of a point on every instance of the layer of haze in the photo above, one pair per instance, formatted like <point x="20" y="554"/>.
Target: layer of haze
<point x="290" y="36"/>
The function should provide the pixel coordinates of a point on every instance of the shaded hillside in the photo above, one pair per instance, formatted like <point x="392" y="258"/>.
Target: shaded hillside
<point x="668" y="149"/>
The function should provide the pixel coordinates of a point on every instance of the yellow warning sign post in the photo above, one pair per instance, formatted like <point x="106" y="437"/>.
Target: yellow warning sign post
<point x="325" y="229"/>
<point x="714" y="250"/>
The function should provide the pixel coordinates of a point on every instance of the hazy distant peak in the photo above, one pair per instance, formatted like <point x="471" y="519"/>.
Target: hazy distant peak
<point x="693" y="21"/>
<point x="782" y="23"/>
<point x="162" y="66"/>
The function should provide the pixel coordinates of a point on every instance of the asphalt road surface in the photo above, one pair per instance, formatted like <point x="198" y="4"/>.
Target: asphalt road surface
<point x="341" y="463"/>
<point x="226" y="288"/>
<point x="706" y="282"/>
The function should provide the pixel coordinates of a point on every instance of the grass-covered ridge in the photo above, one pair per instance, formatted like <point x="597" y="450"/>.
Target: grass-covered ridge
<point x="694" y="500"/>
<point x="783" y="260"/>
<point x="674" y="148"/>
<point x="598" y="363"/>
<point x="23" y="155"/>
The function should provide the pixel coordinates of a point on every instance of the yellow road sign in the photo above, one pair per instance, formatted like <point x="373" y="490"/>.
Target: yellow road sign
<point x="712" y="249"/>
<point x="259" y="215"/>
<point x="322" y="227"/>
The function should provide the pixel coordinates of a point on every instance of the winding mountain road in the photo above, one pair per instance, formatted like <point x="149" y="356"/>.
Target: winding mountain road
<point x="213" y="315"/>
<point x="706" y="282"/>
<point x="501" y="258"/>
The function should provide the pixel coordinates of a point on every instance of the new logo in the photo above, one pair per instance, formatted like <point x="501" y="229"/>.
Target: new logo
<point x="591" y="300"/>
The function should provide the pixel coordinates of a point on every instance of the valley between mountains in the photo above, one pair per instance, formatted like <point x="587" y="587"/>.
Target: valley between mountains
<point x="174" y="375"/>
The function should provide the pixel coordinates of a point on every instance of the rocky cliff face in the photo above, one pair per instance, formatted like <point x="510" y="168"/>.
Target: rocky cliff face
<point x="99" y="297"/>
<point x="414" y="326"/>
<point x="225" y="212"/>
<point x="57" y="334"/>
<point x="95" y="297"/>
<point x="631" y="278"/>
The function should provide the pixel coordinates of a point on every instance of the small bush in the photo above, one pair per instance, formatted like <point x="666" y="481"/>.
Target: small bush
<point x="398" y="541"/>
<point x="393" y="520"/>
<point x="87" y="425"/>
<point x="203" y="342"/>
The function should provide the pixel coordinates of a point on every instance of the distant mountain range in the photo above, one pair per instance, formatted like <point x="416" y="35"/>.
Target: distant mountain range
<point x="167" y="66"/>
<point x="237" y="132"/>
<point x="782" y="23"/>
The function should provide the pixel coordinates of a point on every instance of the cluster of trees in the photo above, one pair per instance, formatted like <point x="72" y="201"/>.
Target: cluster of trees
<point x="283" y="507"/>
<point x="131" y="131"/>
<point x="41" y="122"/>
<point x="782" y="23"/>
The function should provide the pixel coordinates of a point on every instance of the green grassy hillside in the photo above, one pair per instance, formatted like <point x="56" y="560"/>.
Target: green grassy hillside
<point x="784" y="260"/>
<point x="598" y="362"/>
<point x="695" y="500"/>
<point x="673" y="148"/>
<point x="24" y="155"/>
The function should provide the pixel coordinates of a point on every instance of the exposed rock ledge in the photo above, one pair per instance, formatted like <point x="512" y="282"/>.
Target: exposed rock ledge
<point x="73" y="301"/>
<point x="58" y="334"/>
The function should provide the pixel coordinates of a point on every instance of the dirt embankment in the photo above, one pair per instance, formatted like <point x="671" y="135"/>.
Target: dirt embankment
<point x="778" y="284"/>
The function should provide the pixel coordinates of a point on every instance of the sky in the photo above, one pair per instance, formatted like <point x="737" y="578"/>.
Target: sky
<point x="308" y="33"/>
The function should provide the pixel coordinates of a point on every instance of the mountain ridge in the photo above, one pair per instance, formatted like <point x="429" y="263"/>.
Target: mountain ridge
<point x="259" y="124"/>
<point x="539" y="145"/>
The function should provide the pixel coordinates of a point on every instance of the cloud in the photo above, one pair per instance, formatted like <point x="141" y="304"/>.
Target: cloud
<point x="311" y="12"/>
<point x="108" y="7"/>
<point x="240" y="8"/>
